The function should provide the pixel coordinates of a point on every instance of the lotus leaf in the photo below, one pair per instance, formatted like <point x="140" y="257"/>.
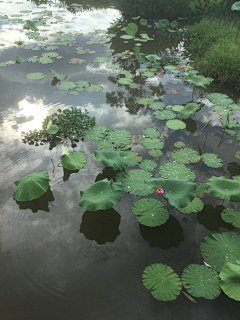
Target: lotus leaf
<point x="148" y="74"/>
<point x="114" y="159"/>
<point x="232" y="124"/>
<point x="96" y="133"/>
<point x="142" y="69"/>
<point x="236" y="177"/>
<point x="66" y="85"/>
<point x="153" y="143"/>
<point x="145" y="101"/>
<point x="151" y="133"/>
<point x="175" y="124"/>
<point x="148" y="165"/>
<point x="201" y="281"/>
<point x="162" y="24"/>
<point x="131" y="29"/>
<point x="153" y="57"/>
<point x="230" y="278"/>
<point x="45" y="60"/>
<point x="177" y="108"/>
<point x="127" y="36"/>
<point x="177" y="170"/>
<point x="195" y="206"/>
<point x="72" y="160"/>
<point x="234" y="107"/>
<point x="164" y="283"/>
<point x="140" y="59"/>
<point x="50" y="48"/>
<point x="83" y="84"/>
<point x="212" y="160"/>
<point x="81" y="51"/>
<point x="112" y="66"/>
<point x="150" y="212"/>
<point x="125" y="81"/>
<point x="236" y="6"/>
<point x="32" y="59"/>
<point x="131" y="158"/>
<point x="164" y="114"/>
<point x="19" y="59"/>
<point x="105" y="145"/>
<point x="143" y="22"/>
<point x="133" y="182"/>
<point x="101" y="59"/>
<point x="179" y="144"/>
<point x="155" y="153"/>
<point x="59" y="76"/>
<point x="157" y="105"/>
<point x="219" y="98"/>
<point x="50" y="54"/>
<point x="190" y="108"/>
<point x="35" y="76"/>
<point x="221" y="110"/>
<point x="119" y="137"/>
<point x="223" y="188"/>
<point x="198" y="80"/>
<point x="186" y="155"/>
<point x="94" y="88"/>
<point x="74" y="93"/>
<point x="231" y="216"/>
<point x="31" y="186"/>
<point x="51" y="128"/>
<point x="101" y="195"/>
<point x="179" y="192"/>
<point x="174" y="24"/>
<point x="201" y="190"/>
<point x="31" y="25"/>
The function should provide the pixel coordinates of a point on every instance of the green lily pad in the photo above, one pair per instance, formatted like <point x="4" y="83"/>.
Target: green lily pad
<point x="131" y="29"/>
<point x="19" y="59"/>
<point x="230" y="279"/>
<point x="148" y="165"/>
<point x="96" y="133"/>
<point x="50" y="54"/>
<point x="153" y="143"/>
<point x="142" y="69"/>
<point x="231" y="124"/>
<point x="119" y="137"/>
<point x="234" y="107"/>
<point x="45" y="60"/>
<point x="72" y="160"/>
<point x="198" y="80"/>
<point x="105" y="145"/>
<point x="155" y="153"/>
<point x="201" y="190"/>
<point x="101" y="195"/>
<point x="112" y="159"/>
<point x="59" y="76"/>
<point x="152" y="57"/>
<point x="163" y="23"/>
<point x="66" y="85"/>
<point x="83" y="84"/>
<point x="179" y="192"/>
<point x="223" y="188"/>
<point x="164" y="114"/>
<point x="112" y="66"/>
<point x="148" y="74"/>
<point x="164" y="283"/>
<point x="143" y="22"/>
<point x="216" y="249"/>
<point x="157" y="105"/>
<point x="50" y="48"/>
<point x="201" y="281"/>
<point x="177" y="108"/>
<point x="236" y="6"/>
<point x="35" y="76"/>
<point x="31" y="186"/>
<point x="81" y="51"/>
<point x="94" y="88"/>
<point x="31" y="25"/>
<point x="125" y="81"/>
<point x="74" y="93"/>
<point x="151" y="133"/>
<point x="32" y="59"/>
<point x="150" y="212"/>
<point x="219" y="98"/>
<point x="131" y="158"/>
<point x="133" y="182"/>
<point x="231" y="216"/>
<point x="101" y="59"/>
<point x="177" y="170"/>
<point x="221" y="110"/>
<point x="179" y="144"/>
<point x="236" y="177"/>
<point x="195" y="206"/>
<point x="51" y="128"/>
<point x="212" y="160"/>
<point x="145" y="101"/>
<point x="190" y="108"/>
<point x="186" y="155"/>
<point x="126" y="36"/>
<point x="175" y="124"/>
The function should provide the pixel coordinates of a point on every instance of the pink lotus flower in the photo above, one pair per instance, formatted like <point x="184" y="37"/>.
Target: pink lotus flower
<point x="160" y="192"/>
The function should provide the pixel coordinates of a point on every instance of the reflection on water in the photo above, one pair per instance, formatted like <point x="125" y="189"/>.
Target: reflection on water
<point x="101" y="226"/>
<point x="165" y="237"/>
<point x="107" y="173"/>
<point x="191" y="124"/>
<point x="67" y="173"/>
<point x="233" y="168"/>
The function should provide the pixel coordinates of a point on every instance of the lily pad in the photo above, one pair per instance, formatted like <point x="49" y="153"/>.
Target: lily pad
<point x="198" y="80"/>
<point x="127" y="36"/>
<point x="177" y="108"/>
<point x="131" y="29"/>
<point x="152" y="57"/>
<point x="148" y="74"/>
<point x="164" y="283"/>
<point x="163" y="23"/>
<point x="231" y="124"/>
<point x="221" y="110"/>
<point x="131" y="158"/>
<point x="50" y="48"/>
<point x="179" y="144"/>
<point x="151" y="133"/>
<point x="72" y="160"/>
<point x="105" y="145"/>
<point x="66" y="85"/>
<point x="35" y="76"/>
<point x="145" y="101"/>
<point x="143" y="22"/>
<point x="177" y="170"/>
<point x="212" y="160"/>
<point x="230" y="279"/>
<point x="195" y="206"/>
<point x="231" y="216"/>
<point x="153" y="143"/>
<point x="186" y="155"/>
<point x="32" y="59"/>
<point x="219" y="98"/>
<point x="223" y="188"/>
<point x="190" y="108"/>
<point x="125" y="81"/>
<point x="175" y="124"/>
<point x="31" y="186"/>
<point x="31" y="25"/>
<point x="112" y="66"/>
<point x="74" y="93"/>
<point x="96" y="133"/>
<point x="114" y="159"/>
<point x="150" y="212"/>
<point x="148" y="165"/>
<point x="51" y="128"/>
<point x="84" y="84"/>
<point x="94" y="88"/>
<point x="234" y="107"/>
<point x="59" y="76"/>
<point x="157" y="105"/>
<point x="50" y="54"/>
<point x="101" y="59"/>
<point x="164" y="114"/>
<point x="45" y="60"/>
<point x="201" y="281"/>
<point x="119" y="137"/>
<point x="216" y="249"/>
<point x="133" y="182"/>
<point x="155" y="153"/>
<point x="101" y="195"/>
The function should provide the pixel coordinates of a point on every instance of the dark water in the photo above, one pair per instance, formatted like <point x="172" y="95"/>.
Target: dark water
<point x="59" y="261"/>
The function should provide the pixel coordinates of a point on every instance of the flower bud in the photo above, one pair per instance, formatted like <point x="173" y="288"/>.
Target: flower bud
<point x="160" y="192"/>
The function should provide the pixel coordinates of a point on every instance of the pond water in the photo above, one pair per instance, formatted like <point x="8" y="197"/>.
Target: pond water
<point x="60" y="261"/>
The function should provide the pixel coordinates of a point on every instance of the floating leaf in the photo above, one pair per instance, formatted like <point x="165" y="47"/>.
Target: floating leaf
<point x="221" y="110"/>
<point x="150" y="212"/>
<point x="51" y="48"/>
<point x="133" y="182"/>
<point x="177" y="170"/>
<point x="125" y="81"/>
<point x="66" y="85"/>
<point x="195" y="206"/>
<point x="148" y="165"/>
<point x="175" y="124"/>
<point x="96" y="133"/>
<point x="151" y="143"/>
<point x="119" y="137"/>
<point x="155" y="153"/>
<point x="157" y="105"/>
<point x="190" y="108"/>
<point x="231" y="216"/>
<point x="186" y="155"/>
<point x="101" y="59"/>
<point x="148" y="74"/>
<point x="223" y="188"/>
<point x="164" y="114"/>
<point x="101" y="195"/>
<point x="198" y="80"/>
<point x="51" y="128"/>
<point x="131" y="29"/>
<point x="45" y="60"/>
<point x="177" y="108"/>
<point x="164" y="283"/>
<point x="31" y="186"/>
<point x="234" y="107"/>
<point x="153" y="57"/>
<point x="35" y="76"/>
<point x="32" y="59"/>
<point x="201" y="281"/>
<point x="127" y="36"/>
<point x="19" y="59"/>
<point x="72" y="160"/>
<point x="174" y="24"/>
<point x="143" y="22"/>
<point x="216" y="249"/>
<point x="131" y="158"/>
<point x="94" y="88"/>
<point x="151" y="133"/>
<point x="163" y="23"/>
<point x="229" y="123"/>
<point x="114" y="159"/>
<point x="31" y="25"/>
<point x="212" y="160"/>
<point x="230" y="278"/>
<point x="105" y="145"/>
<point x="179" y="144"/>
<point x="112" y="66"/>
<point x="84" y="84"/>
<point x="219" y="98"/>
<point x="201" y="190"/>
<point x="59" y="76"/>
<point x="145" y="101"/>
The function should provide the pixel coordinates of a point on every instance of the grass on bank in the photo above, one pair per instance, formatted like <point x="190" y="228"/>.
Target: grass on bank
<point x="214" y="45"/>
